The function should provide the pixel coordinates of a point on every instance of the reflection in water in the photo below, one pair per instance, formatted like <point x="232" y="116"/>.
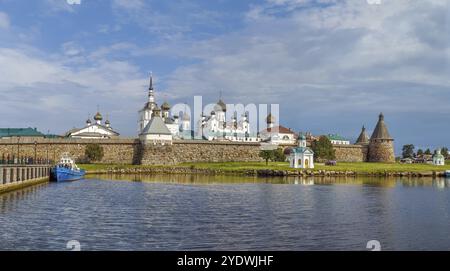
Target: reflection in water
<point x="195" y="212"/>
<point x="9" y="200"/>
<point x="388" y="182"/>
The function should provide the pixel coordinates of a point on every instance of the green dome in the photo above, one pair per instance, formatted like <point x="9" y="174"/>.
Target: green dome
<point x="98" y="116"/>
<point x="165" y="106"/>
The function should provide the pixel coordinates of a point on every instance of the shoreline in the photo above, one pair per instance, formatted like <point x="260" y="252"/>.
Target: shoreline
<point x="261" y="172"/>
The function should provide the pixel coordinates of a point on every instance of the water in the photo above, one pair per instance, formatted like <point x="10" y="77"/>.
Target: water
<point x="228" y="213"/>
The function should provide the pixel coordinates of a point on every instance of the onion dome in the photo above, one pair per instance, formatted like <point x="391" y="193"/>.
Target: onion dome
<point x="213" y="113"/>
<point x="88" y="121"/>
<point x="270" y="118"/>
<point x="381" y="131"/>
<point x="220" y="106"/>
<point x="107" y="122"/>
<point x="301" y="136"/>
<point x="156" y="111"/>
<point x="165" y="106"/>
<point x="186" y="116"/>
<point x="98" y="116"/>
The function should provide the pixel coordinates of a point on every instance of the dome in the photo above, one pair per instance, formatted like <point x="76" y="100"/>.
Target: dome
<point x="270" y="118"/>
<point x="220" y="106"/>
<point x="98" y="116"/>
<point x="165" y="106"/>
<point x="89" y="121"/>
<point x="186" y="116"/>
<point x="301" y="137"/>
<point x="107" y="122"/>
<point x="213" y="113"/>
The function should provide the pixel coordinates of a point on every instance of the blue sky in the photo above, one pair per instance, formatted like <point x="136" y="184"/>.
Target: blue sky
<point x="331" y="65"/>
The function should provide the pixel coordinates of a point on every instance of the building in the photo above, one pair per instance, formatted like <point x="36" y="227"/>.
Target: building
<point x="381" y="144"/>
<point x="363" y="138"/>
<point x="156" y="131"/>
<point x="20" y="132"/>
<point x="146" y="114"/>
<point x="438" y="158"/>
<point x="94" y="130"/>
<point x="277" y="134"/>
<point x="216" y="127"/>
<point x="301" y="156"/>
<point x="337" y="139"/>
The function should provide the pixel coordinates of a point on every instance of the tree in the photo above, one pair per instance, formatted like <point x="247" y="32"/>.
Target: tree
<point x="323" y="149"/>
<point x="279" y="155"/>
<point x="408" y="151"/>
<point x="444" y="152"/>
<point x="267" y="155"/>
<point x="94" y="152"/>
<point x="428" y="152"/>
<point x="419" y="152"/>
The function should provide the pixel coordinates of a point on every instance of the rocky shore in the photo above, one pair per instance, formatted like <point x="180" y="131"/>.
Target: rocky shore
<point x="262" y="172"/>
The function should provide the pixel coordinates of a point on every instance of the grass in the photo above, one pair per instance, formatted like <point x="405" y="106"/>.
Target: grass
<point x="241" y="166"/>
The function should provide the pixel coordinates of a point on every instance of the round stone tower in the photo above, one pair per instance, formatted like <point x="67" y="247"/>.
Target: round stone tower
<point x="381" y="145"/>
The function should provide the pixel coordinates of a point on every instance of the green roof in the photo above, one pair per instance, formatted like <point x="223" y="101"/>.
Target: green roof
<point x="17" y="132"/>
<point x="336" y="137"/>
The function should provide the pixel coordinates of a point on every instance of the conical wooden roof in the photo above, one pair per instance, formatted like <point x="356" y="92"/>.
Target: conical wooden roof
<point x="381" y="131"/>
<point x="363" y="137"/>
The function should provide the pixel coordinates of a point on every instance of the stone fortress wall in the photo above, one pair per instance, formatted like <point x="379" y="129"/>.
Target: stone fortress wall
<point x="131" y="151"/>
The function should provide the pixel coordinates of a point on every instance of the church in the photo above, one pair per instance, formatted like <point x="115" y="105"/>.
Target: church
<point x="164" y="121"/>
<point x="94" y="130"/>
<point x="277" y="134"/>
<point x="216" y="127"/>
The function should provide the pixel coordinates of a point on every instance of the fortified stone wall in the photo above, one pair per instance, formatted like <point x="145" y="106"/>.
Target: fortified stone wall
<point x="351" y="153"/>
<point x="116" y="151"/>
<point x="130" y="151"/>
<point x="186" y="151"/>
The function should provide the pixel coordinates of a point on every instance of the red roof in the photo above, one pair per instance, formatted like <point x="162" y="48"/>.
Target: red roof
<point x="278" y="129"/>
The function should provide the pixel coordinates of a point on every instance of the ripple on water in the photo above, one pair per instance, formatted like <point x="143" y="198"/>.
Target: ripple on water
<point x="241" y="215"/>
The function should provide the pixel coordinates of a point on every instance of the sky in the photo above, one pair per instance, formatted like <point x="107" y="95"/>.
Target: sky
<point x="331" y="65"/>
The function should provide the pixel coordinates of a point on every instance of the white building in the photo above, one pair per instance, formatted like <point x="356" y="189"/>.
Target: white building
<point x="216" y="127"/>
<point x="156" y="131"/>
<point x="146" y="114"/>
<point x="276" y="134"/>
<point x="95" y="130"/>
<point x="301" y="156"/>
<point x="338" y="140"/>
<point x="438" y="158"/>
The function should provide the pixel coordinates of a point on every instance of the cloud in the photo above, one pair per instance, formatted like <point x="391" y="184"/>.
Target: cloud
<point x="340" y="51"/>
<point x="129" y="4"/>
<point x="52" y="94"/>
<point x="4" y="21"/>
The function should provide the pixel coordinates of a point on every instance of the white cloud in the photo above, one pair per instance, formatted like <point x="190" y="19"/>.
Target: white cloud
<point x="346" y="55"/>
<point x="50" y="91"/>
<point x="129" y="4"/>
<point x="4" y="20"/>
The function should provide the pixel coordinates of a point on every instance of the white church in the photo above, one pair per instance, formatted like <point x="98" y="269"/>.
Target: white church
<point x="156" y="125"/>
<point x="301" y="156"/>
<point x="94" y="130"/>
<point x="216" y="127"/>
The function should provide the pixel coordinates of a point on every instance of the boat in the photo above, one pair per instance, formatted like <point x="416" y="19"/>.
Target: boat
<point x="447" y="173"/>
<point x="66" y="170"/>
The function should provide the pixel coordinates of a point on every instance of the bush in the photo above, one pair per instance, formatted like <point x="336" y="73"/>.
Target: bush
<point x="93" y="153"/>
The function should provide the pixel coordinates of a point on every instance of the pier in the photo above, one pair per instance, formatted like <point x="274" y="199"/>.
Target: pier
<point x="17" y="173"/>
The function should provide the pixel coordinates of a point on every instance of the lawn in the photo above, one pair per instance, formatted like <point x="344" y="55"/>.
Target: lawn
<point x="238" y="166"/>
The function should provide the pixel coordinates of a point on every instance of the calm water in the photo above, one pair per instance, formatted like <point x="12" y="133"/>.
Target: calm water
<point x="228" y="213"/>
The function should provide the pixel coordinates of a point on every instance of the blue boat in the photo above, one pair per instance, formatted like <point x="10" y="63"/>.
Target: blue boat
<point x="66" y="170"/>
